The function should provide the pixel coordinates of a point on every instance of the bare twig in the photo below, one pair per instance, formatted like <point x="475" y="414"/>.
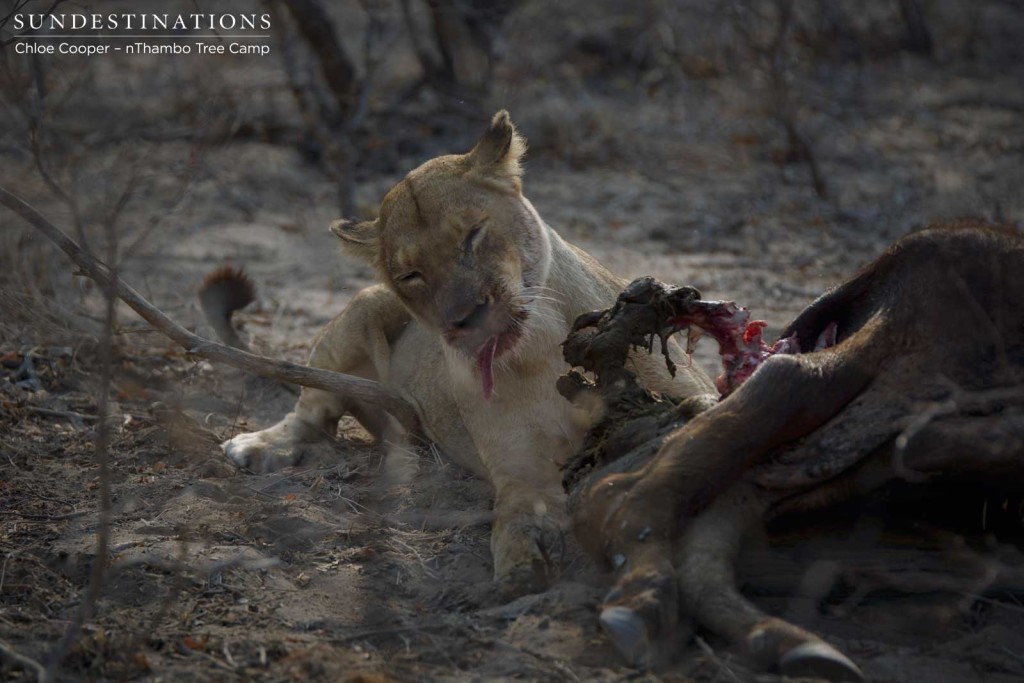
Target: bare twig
<point x="24" y="662"/>
<point x="1011" y="103"/>
<point x="44" y="518"/>
<point x="68" y="414"/>
<point x="35" y="133"/>
<point x="17" y="8"/>
<point x="338" y="71"/>
<point x="379" y="36"/>
<point x="464" y="60"/>
<point x="179" y="566"/>
<point x="427" y="62"/>
<point x="355" y="388"/>
<point x="329" y="130"/>
<point x="565" y="673"/>
<point x="723" y="667"/>
<point x="197" y="152"/>
<point x="102" y="458"/>
<point x="365" y="635"/>
<point x="781" y="104"/>
<point x="919" y="37"/>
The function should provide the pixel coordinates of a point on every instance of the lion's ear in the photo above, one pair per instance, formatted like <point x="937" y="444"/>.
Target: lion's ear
<point x="500" y="149"/>
<point x="358" y="239"/>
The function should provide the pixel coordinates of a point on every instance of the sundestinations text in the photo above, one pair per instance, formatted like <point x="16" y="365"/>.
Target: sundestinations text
<point x="142" y="22"/>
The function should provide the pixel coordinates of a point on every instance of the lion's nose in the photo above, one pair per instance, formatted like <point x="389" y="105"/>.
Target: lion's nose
<point x="473" y="319"/>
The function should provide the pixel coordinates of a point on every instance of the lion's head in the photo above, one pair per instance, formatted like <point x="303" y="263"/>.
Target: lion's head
<point x="461" y="247"/>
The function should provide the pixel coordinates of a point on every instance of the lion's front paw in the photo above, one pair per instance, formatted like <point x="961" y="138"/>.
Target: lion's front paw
<point x="267" y="450"/>
<point x="528" y="553"/>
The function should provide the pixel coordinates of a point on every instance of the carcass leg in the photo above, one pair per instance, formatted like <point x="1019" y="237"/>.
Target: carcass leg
<point x="707" y="587"/>
<point x="635" y="519"/>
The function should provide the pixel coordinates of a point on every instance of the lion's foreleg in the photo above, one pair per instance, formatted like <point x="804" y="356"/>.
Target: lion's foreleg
<point x="357" y="343"/>
<point x="528" y="536"/>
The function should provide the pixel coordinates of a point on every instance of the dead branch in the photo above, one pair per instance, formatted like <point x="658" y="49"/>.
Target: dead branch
<point x="337" y="69"/>
<point x="781" y="102"/>
<point x="44" y="518"/>
<point x="179" y="566"/>
<point x="24" y="662"/>
<point x="723" y="665"/>
<point x="455" y="46"/>
<point x="919" y="37"/>
<point x="355" y="388"/>
<point x="378" y="38"/>
<point x="35" y="133"/>
<point x="17" y="8"/>
<point x="430" y="66"/>
<point x="98" y="572"/>
<point x="327" y="126"/>
<point x="197" y="153"/>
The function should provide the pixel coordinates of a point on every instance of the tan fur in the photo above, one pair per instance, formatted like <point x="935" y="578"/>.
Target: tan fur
<point x="463" y="258"/>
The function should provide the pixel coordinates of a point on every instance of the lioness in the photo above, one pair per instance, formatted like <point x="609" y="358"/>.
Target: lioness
<point x="476" y="295"/>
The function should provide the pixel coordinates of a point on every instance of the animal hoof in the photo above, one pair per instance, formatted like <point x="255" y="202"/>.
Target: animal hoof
<point x="816" y="659"/>
<point x="628" y="634"/>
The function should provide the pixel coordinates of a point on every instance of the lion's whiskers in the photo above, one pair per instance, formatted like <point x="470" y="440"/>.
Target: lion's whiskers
<point x="541" y="290"/>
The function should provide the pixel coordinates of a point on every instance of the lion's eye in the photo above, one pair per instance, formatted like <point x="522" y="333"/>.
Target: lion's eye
<point x="475" y="235"/>
<point x="411" y="276"/>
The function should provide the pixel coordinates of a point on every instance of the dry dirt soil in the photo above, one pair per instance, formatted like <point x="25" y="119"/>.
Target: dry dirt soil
<point x="342" y="569"/>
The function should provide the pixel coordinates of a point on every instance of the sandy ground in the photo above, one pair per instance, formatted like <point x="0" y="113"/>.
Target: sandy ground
<point x="324" y="572"/>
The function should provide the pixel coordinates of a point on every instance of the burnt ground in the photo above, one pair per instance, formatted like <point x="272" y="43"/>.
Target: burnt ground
<point x="338" y="570"/>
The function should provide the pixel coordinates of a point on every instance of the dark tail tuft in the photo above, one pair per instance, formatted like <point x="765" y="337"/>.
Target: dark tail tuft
<point x="224" y="291"/>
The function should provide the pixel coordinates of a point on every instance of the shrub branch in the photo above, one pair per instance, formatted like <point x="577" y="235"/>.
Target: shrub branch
<point x="355" y="388"/>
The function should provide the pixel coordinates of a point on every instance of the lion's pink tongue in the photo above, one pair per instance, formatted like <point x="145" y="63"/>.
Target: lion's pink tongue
<point x="485" y="363"/>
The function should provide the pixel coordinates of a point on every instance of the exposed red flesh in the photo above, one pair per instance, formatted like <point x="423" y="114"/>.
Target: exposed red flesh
<point x="485" y="364"/>
<point x="739" y="339"/>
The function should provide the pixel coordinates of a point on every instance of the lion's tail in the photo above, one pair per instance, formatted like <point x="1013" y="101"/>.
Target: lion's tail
<point x="224" y="291"/>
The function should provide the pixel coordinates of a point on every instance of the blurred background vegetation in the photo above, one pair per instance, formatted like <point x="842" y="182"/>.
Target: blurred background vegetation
<point x="800" y="135"/>
<point x="776" y="144"/>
